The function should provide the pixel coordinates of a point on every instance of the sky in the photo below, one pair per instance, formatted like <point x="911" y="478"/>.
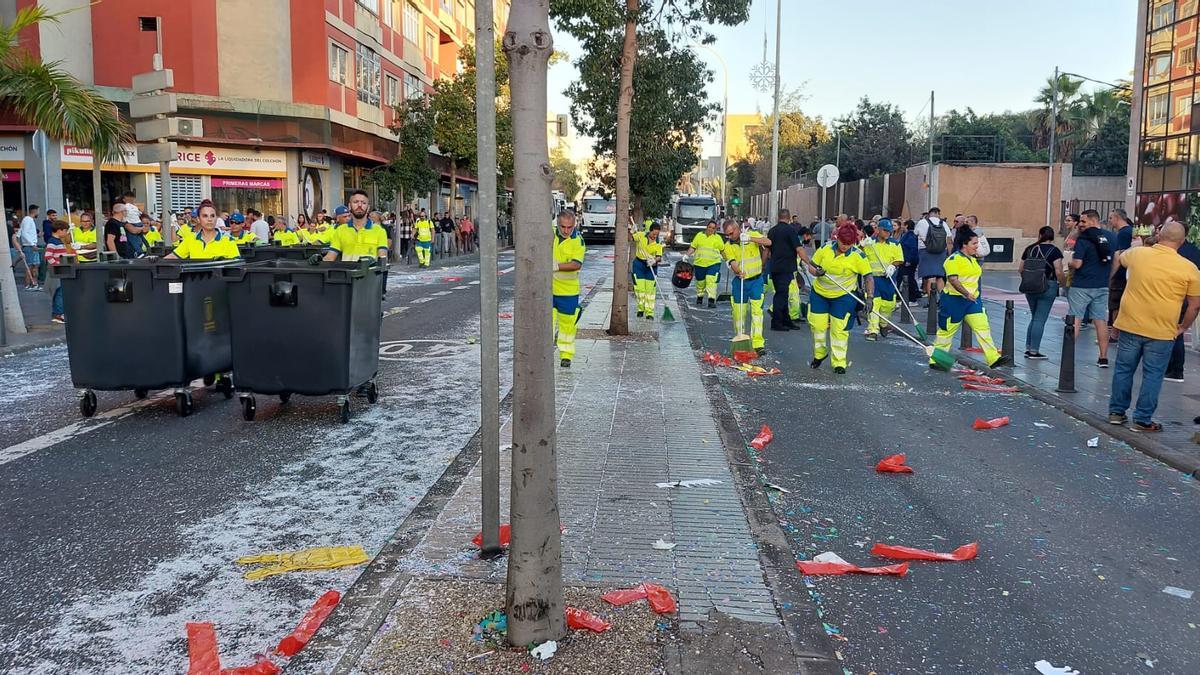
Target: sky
<point x="987" y="54"/>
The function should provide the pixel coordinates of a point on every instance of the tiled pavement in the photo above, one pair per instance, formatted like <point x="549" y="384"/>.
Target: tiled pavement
<point x="633" y="413"/>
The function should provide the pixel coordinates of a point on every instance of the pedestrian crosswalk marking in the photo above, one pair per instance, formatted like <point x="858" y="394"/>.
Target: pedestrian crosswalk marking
<point x="442" y="293"/>
<point x="420" y="300"/>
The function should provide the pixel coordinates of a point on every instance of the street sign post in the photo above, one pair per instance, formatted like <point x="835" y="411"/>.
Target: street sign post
<point x="827" y="177"/>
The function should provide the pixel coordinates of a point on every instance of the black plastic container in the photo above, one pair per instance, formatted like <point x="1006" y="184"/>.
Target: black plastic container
<point x="141" y="325"/>
<point x="305" y="329"/>
<point x="255" y="254"/>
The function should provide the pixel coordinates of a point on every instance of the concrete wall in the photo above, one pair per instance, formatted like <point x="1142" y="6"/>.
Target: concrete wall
<point x="255" y="64"/>
<point x="916" y="193"/>
<point x="1098" y="188"/>
<point x="69" y="40"/>
<point x="1001" y="195"/>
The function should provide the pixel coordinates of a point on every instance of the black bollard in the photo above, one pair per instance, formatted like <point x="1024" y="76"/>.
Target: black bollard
<point x="931" y="321"/>
<point x="1007" y="342"/>
<point x="965" y="342"/>
<point x="1066" y="368"/>
<point x="906" y="316"/>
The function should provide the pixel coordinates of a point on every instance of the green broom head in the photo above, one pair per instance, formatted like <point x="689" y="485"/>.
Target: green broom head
<point x="667" y="315"/>
<point x="921" y="332"/>
<point x="740" y="346"/>
<point x="944" y="360"/>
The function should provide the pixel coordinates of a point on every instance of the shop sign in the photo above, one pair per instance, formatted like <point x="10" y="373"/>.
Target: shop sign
<point x="248" y="183"/>
<point x="12" y="152"/>
<point x="314" y="159"/>
<point x="191" y="159"/>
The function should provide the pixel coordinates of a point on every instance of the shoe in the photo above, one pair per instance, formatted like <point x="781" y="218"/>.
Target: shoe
<point x="816" y="363"/>
<point x="565" y="363"/>
<point x="1036" y="356"/>
<point x="1168" y="378"/>
<point x="640" y="313"/>
<point x="839" y="370"/>
<point x="1149" y="427"/>
<point x="780" y="328"/>
<point x="1002" y="361"/>
<point x="712" y="302"/>
<point x="794" y="324"/>
<point x="1103" y="363"/>
<point x="1118" y="418"/>
<point x="760" y="351"/>
<point x="873" y="337"/>
<point x="699" y="302"/>
<point x="58" y="318"/>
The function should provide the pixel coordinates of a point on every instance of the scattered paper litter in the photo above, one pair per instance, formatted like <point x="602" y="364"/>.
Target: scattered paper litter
<point x="772" y="486"/>
<point x="1094" y="442"/>
<point x="1178" y="592"/>
<point x="1042" y="425"/>
<point x="698" y="482"/>
<point x="662" y="545"/>
<point x="1045" y="668"/>
<point x="829" y="557"/>
<point x="545" y="650"/>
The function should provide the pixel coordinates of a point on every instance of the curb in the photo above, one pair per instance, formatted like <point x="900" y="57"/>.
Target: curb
<point x="1141" y="442"/>
<point x="13" y="350"/>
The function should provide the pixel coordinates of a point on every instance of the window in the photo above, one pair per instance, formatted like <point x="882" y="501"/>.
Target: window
<point x="1159" y="109"/>
<point x="430" y="41"/>
<point x="1162" y="14"/>
<point x="371" y="6"/>
<point x="367" y="75"/>
<point x="412" y="23"/>
<point x="387" y="12"/>
<point x="461" y="12"/>
<point x="393" y="91"/>
<point x="412" y="86"/>
<point x="446" y="6"/>
<point x="1174" y="170"/>
<point x="1186" y="9"/>
<point x="1152" y="166"/>
<point x="338" y="62"/>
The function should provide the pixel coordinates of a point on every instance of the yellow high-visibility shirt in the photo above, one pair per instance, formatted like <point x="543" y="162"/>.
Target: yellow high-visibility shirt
<point x="647" y="250"/>
<point x="708" y="249"/>
<point x="78" y="236"/>
<point x="317" y="238"/>
<point x="153" y="237"/>
<point x="968" y="271"/>
<point x="423" y="230"/>
<point x="842" y="268"/>
<point x="749" y="261"/>
<point x="353" y="243"/>
<point x="246" y="238"/>
<point x="571" y="249"/>
<point x="881" y="254"/>
<point x="195" y="248"/>
<point x="285" y="238"/>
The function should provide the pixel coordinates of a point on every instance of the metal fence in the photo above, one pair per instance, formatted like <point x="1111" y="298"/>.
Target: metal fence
<point x="1102" y="206"/>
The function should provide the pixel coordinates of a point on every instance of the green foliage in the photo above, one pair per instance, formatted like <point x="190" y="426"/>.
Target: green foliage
<point x="875" y="140"/>
<point x="453" y="107"/>
<point x="566" y="178"/>
<point x="409" y="171"/>
<point x="689" y="19"/>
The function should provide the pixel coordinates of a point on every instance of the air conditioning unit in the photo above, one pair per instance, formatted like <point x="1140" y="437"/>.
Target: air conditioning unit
<point x="191" y="126"/>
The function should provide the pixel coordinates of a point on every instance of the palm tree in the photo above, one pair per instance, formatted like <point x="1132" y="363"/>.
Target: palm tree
<point x="46" y="96"/>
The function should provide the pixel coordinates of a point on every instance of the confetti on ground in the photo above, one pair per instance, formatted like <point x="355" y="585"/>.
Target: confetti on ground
<point x="698" y="482"/>
<point x="1178" y="592"/>
<point x="1094" y="442"/>
<point x="662" y="545"/>
<point x="996" y="423"/>
<point x="1045" y="668"/>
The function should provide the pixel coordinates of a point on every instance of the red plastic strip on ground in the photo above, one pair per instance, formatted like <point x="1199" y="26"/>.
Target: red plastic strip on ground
<point x="974" y="350"/>
<point x="981" y="379"/>
<point x="577" y="619"/>
<point x="744" y="357"/>
<point x="981" y="424"/>
<point x="308" y="626"/>
<point x="996" y="389"/>
<point x="773" y="371"/>
<point x="624" y="596"/>
<point x="263" y="666"/>
<point x="505" y="536"/>
<point x="820" y="568"/>
<point x="203" y="658"/>
<point x="451" y="279"/>
<point x="763" y="439"/>
<point x="893" y="464"/>
<point x="505" y="315"/>
<point x="964" y="552"/>
<point x="660" y="598"/>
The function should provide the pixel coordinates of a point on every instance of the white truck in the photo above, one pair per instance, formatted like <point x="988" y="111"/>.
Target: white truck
<point x="689" y="215"/>
<point x="599" y="219"/>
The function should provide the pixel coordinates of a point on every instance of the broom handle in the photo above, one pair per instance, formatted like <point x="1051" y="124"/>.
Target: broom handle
<point x="871" y="310"/>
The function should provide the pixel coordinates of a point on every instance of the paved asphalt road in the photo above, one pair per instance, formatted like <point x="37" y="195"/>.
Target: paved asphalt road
<point x="1075" y="543"/>
<point x="119" y="529"/>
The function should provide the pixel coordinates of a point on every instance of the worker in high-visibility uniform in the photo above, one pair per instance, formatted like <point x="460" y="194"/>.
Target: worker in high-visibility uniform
<point x="83" y="238"/>
<point x="885" y="256"/>
<point x="705" y="254"/>
<point x="359" y="238"/>
<point x="241" y="235"/>
<point x="569" y="251"/>
<point x="962" y="301"/>
<point x="311" y="233"/>
<point x="647" y="254"/>
<point x="744" y="251"/>
<point x="423" y="230"/>
<point x="830" y="305"/>
<point x="281" y="235"/>
<point x="209" y="243"/>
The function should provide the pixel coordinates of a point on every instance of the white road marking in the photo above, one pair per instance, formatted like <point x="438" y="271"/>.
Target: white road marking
<point x="441" y="293"/>
<point x="420" y="300"/>
<point x="393" y="311"/>
<point x="75" y="429"/>
<point x="506" y="270"/>
<point x="475" y="283"/>
<point x="459" y="288"/>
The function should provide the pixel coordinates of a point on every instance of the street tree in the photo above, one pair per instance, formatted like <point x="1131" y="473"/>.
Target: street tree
<point x="409" y="173"/>
<point x="593" y="23"/>
<point x="566" y="176"/>
<point x="47" y="97"/>
<point x="875" y="140"/>
<point x="534" y="593"/>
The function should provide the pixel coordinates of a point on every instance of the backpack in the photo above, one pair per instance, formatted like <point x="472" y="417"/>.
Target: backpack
<point x="1100" y="240"/>
<point x="935" y="238"/>
<point x="1033" y="274"/>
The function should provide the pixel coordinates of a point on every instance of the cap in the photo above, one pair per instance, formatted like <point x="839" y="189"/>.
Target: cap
<point x="885" y="225"/>
<point x="237" y="217"/>
<point x="341" y="211"/>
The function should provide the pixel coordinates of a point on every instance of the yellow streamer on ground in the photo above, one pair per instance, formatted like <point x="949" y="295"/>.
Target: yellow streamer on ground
<point x="320" y="558"/>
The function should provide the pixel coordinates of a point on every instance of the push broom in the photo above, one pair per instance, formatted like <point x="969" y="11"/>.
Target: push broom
<point x="942" y="359"/>
<point x="741" y="346"/>
<point x="916" y="324"/>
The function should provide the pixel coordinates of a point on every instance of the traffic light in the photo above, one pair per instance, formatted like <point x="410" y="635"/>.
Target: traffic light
<point x="736" y="200"/>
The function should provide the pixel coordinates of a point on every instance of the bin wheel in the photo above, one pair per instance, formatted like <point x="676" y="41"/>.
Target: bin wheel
<point x="372" y="393"/>
<point x="248" y="408"/>
<point x="345" y="409"/>
<point x="183" y="403"/>
<point x="140" y="393"/>
<point x="87" y="403"/>
<point x="285" y="397"/>
<point x="209" y="379"/>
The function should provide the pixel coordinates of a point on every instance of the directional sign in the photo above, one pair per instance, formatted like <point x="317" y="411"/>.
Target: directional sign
<point x="827" y="176"/>
<point x="148" y="106"/>
<point x="148" y="83"/>
<point x="151" y="153"/>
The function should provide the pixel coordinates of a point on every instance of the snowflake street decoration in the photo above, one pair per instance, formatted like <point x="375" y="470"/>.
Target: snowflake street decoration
<point x="762" y="77"/>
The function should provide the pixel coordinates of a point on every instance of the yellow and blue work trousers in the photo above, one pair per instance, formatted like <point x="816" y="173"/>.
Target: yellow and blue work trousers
<point x="794" y="300"/>
<point x="645" y="286"/>
<point x="423" y="250"/>
<point x="707" y="280"/>
<point x="884" y="305"/>
<point x="835" y="316"/>
<point x="566" y="317"/>
<point x="746" y="295"/>
<point x="953" y="310"/>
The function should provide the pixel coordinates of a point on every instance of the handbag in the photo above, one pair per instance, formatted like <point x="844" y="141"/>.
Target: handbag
<point x="1033" y="274"/>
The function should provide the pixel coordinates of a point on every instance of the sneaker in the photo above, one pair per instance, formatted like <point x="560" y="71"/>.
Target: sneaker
<point x="1117" y="418"/>
<point x="873" y="337"/>
<point x="58" y="318"/>
<point x="1002" y="361"/>
<point x="780" y="328"/>
<point x="839" y="370"/>
<point x="760" y="351"/>
<point x="1168" y="378"/>
<point x="712" y="303"/>
<point x="565" y="363"/>
<point x="816" y="363"/>
<point x="1103" y="363"/>
<point x="1037" y="356"/>
<point x="31" y="288"/>
<point x="1149" y="427"/>
<point x="699" y="302"/>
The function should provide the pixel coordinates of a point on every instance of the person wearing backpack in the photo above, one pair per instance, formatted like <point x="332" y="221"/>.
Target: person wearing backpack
<point x="1041" y="274"/>
<point x="933" y="239"/>
<point x="1091" y="260"/>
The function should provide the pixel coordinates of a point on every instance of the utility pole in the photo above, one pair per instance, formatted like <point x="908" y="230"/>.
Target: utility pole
<point x="1135" y="113"/>
<point x="837" y="160"/>
<point x="773" y="210"/>
<point x="534" y="594"/>
<point x="489" y="304"/>
<point x="931" y="123"/>
<point x="1053" y="140"/>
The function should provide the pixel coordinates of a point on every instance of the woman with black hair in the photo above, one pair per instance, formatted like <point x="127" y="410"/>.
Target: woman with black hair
<point x="1042" y="258"/>
<point x="962" y="302"/>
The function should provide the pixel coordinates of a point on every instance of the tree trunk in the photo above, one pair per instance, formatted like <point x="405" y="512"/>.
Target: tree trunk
<point x="14" y="319"/>
<point x="619" y="319"/>
<point x="453" y="183"/>
<point x="534" y="595"/>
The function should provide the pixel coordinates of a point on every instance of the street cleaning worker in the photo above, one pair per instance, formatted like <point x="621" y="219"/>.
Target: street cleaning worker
<point x="359" y="238"/>
<point x="209" y="243"/>
<point x="648" y="253"/>
<point x="744" y="252"/>
<point x="885" y="256"/>
<point x="962" y="300"/>
<point x="569" y="251"/>
<point x="280" y="234"/>
<point x="241" y="235"/>
<point x="423" y="230"/>
<point x="830" y="306"/>
<point x="705" y="254"/>
<point x="83" y="238"/>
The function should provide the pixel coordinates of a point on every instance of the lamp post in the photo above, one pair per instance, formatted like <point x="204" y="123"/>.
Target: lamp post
<point x="773" y="211"/>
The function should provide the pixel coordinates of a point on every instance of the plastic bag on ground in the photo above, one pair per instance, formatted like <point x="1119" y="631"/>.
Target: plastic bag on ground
<point x="982" y="424"/>
<point x="577" y="619"/>
<point x="964" y="552"/>
<point x="893" y="464"/>
<point x="505" y="536"/>
<point x="744" y="357"/>
<point x="763" y="439"/>
<point x="624" y="596"/>
<point x="660" y="598"/>
<point x="812" y="567"/>
<point x="203" y="658"/>
<point x="308" y="626"/>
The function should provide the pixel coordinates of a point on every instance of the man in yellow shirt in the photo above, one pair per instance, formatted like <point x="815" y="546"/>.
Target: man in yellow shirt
<point x="423" y="230"/>
<point x="705" y="251"/>
<point x="885" y="256"/>
<point x="831" y="305"/>
<point x="359" y="238"/>
<point x="744" y="250"/>
<point x="240" y="234"/>
<point x="569" y="251"/>
<point x="648" y="253"/>
<point x="280" y="234"/>
<point x="1159" y="282"/>
<point x="83" y="238"/>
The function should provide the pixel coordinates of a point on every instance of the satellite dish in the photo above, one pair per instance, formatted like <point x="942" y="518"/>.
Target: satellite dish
<point x="827" y="176"/>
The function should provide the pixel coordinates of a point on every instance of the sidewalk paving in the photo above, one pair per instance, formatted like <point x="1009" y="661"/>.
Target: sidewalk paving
<point x="35" y="305"/>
